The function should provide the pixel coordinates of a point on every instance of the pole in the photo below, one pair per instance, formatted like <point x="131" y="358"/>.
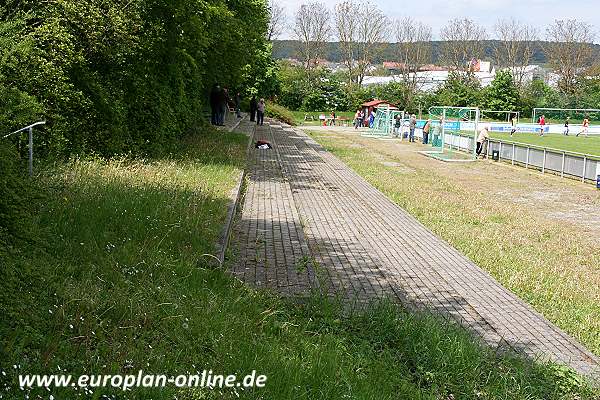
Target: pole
<point x="31" y="151"/>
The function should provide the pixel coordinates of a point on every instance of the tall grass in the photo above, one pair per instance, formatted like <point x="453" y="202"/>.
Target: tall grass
<point x="115" y="282"/>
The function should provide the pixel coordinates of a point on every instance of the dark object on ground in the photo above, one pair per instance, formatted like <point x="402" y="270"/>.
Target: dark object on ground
<point x="263" y="144"/>
<point x="495" y="155"/>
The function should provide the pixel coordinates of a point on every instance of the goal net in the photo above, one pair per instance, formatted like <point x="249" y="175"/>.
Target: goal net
<point x="453" y="133"/>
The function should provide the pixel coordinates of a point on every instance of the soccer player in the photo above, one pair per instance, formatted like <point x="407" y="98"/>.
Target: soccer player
<point x="542" y="122"/>
<point x="566" y="131"/>
<point x="513" y="125"/>
<point x="585" y="127"/>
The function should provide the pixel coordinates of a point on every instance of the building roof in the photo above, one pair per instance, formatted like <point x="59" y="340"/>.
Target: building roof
<point x="375" y="103"/>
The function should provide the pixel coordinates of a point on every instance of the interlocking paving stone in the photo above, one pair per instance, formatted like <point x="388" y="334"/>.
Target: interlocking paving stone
<point x="304" y="204"/>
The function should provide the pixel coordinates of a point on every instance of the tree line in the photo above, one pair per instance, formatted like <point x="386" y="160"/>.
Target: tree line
<point x="362" y="38"/>
<point x="114" y="76"/>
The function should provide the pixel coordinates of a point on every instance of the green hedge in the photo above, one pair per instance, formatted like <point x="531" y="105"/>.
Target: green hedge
<point x="280" y="113"/>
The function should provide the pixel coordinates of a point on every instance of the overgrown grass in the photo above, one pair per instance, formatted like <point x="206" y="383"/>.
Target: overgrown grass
<point x="115" y="282"/>
<point x="551" y="265"/>
<point x="280" y="113"/>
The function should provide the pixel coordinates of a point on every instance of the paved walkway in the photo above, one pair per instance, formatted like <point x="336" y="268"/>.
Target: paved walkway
<point x="310" y="223"/>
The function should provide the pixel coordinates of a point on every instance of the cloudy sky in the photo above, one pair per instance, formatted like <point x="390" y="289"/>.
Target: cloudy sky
<point x="486" y="12"/>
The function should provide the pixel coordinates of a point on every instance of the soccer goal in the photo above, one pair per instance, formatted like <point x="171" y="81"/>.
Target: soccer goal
<point x="383" y="124"/>
<point x="453" y="133"/>
<point x="499" y="116"/>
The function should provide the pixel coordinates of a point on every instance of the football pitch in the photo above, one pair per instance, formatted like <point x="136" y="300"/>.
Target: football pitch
<point x="581" y="144"/>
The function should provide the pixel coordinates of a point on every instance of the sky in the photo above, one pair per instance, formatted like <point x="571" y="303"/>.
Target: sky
<point x="436" y="13"/>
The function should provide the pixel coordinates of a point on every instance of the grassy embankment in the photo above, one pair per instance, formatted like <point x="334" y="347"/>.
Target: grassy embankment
<point x="113" y="280"/>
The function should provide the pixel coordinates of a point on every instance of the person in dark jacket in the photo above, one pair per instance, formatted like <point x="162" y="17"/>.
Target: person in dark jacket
<point x="253" y="108"/>
<point x="214" y="104"/>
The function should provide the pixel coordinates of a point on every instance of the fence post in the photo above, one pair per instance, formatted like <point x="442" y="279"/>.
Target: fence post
<point x="31" y="151"/>
<point x="544" y="162"/>
<point x="583" y="174"/>
<point x="562" y="167"/>
<point x="527" y="160"/>
<point x="513" y="155"/>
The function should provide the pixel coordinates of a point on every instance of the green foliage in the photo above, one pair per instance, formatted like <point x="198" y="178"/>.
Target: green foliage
<point x="124" y="76"/>
<point x="280" y="113"/>
<point x="502" y="94"/>
<point x="321" y="90"/>
<point x="460" y="90"/>
<point x="539" y="94"/>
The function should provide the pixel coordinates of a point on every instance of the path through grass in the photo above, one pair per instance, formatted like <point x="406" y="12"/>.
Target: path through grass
<point x="114" y="281"/>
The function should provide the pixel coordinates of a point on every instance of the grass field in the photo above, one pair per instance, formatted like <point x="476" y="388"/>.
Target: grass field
<point x="586" y="145"/>
<point x="299" y="116"/>
<point x="114" y="281"/>
<point x="550" y="264"/>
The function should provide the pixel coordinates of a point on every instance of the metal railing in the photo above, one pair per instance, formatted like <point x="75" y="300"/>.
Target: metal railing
<point x="563" y="162"/>
<point x="30" y="130"/>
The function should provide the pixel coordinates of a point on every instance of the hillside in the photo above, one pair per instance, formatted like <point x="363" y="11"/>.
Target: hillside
<point x="288" y="49"/>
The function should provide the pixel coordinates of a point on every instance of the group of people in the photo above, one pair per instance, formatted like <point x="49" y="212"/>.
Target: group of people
<point x="221" y="103"/>
<point x="361" y="117"/>
<point x="585" y="126"/>
<point x="410" y="125"/>
<point x="257" y="110"/>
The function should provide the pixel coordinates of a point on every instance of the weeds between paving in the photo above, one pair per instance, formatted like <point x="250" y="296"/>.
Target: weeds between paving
<point x="113" y="280"/>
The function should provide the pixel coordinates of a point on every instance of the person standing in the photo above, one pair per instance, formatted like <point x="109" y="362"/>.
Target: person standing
<point x="357" y="119"/>
<point x="412" y="125"/>
<point x="372" y="119"/>
<point x="221" y="106"/>
<point x="566" y="131"/>
<point x="260" y="115"/>
<point x="253" y="108"/>
<point x="397" y="125"/>
<point x="426" y="130"/>
<point x="585" y="127"/>
<point x="484" y="136"/>
<point x="513" y="125"/>
<point x="214" y="104"/>
<point x="542" y="124"/>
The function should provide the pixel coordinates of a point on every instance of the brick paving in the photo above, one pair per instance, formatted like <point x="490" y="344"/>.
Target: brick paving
<point x="308" y="222"/>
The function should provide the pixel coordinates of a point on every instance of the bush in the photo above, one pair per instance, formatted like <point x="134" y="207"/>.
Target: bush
<point x="280" y="113"/>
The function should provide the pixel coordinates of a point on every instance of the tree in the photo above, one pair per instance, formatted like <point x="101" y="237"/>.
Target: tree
<point x="277" y="19"/>
<point x="460" y="91"/>
<point x="361" y="39"/>
<point x="502" y="94"/>
<point x="414" y="49"/>
<point x="312" y="29"/>
<point x="462" y="43"/>
<point x="569" y="51"/>
<point x="514" y="50"/>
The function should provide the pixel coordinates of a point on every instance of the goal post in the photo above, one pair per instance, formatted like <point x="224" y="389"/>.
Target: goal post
<point x="454" y="132"/>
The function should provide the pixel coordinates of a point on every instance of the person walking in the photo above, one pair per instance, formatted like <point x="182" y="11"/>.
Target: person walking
<point x="412" y="125"/>
<point x="542" y="123"/>
<point x="585" y="127"/>
<point x="484" y="136"/>
<point x="253" y="108"/>
<point x="260" y="115"/>
<point x="513" y="125"/>
<point x="426" y="130"/>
